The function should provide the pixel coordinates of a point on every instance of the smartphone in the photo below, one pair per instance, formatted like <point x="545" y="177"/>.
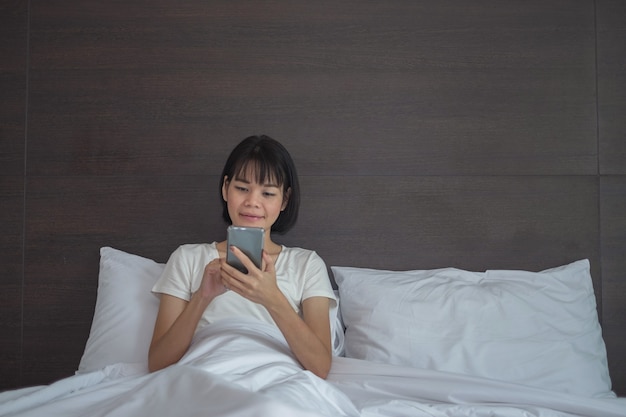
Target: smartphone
<point x="250" y="241"/>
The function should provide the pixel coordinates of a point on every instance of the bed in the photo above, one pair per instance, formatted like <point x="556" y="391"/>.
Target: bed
<point x="438" y="342"/>
<point x="452" y="139"/>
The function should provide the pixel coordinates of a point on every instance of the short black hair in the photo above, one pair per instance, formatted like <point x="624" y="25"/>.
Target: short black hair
<point x="271" y="161"/>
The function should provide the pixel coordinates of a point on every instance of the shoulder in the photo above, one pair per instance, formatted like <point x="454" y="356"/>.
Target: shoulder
<point x="301" y="255"/>
<point x="304" y="263"/>
<point x="185" y="265"/>
<point x="194" y="252"/>
<point x="310" y="271"/>
<point x="195" y="249"/>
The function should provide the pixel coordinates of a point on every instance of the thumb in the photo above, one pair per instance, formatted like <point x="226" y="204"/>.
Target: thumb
<point x="269" y="262"/>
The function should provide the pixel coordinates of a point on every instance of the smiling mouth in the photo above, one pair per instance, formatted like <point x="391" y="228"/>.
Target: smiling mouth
<point x="251" y="217"/>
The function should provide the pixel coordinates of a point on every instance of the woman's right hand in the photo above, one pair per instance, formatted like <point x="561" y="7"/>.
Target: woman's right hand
<point x="177" y="319"/>
<point x="212" y="285"/>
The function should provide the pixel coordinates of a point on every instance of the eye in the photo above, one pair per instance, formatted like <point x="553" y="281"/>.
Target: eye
<point x="240" y="188"/>
<point x="269" y="194"/>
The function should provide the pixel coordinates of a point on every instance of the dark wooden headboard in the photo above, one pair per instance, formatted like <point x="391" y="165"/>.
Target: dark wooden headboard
<point x="427" y="134"/>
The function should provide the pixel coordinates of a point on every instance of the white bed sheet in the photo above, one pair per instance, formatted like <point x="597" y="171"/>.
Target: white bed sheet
<point x="243" y="368"/>
<point x="389" y="390"/>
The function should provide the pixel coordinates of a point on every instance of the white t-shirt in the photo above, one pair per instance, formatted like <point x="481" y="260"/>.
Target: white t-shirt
<point x="300" y="274"/>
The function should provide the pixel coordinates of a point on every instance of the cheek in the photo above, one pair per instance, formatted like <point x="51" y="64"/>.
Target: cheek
<point x="276" y="208"/>
<point x="232" y="204"/>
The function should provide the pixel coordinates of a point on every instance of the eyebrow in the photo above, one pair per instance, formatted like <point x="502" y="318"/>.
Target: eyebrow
<point x="267" y="184"/>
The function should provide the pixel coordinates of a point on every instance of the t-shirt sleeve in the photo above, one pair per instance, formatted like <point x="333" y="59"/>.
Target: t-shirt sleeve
<point x="317" y="282"/>
<point x="176" y="277"/>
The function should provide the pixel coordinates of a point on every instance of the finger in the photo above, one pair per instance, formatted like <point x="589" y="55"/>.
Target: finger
<point x="233" y="279"/>
<point x="250" y="266"/>
<point x="269" y="262"/>
<point x="210" y="265"/>
<point x="230" y="283"/>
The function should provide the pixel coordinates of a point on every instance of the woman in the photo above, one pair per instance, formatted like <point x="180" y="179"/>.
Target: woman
<point x="259" y="188"/>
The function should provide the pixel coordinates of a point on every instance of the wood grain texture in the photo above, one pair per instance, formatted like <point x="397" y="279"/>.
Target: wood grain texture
<point x="611" y="17"/>
<point x="473" y="223"/>
<point x="70" y="218"/>
<point x="611" y="23"/>
<point x="13" y="55"/>
<point x="495" y="88"/>
<point x="613" y="230"/>
<point x="11" y="245"/>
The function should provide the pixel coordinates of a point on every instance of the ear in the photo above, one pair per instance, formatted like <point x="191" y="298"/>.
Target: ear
<point x="286" y="199"/>
<point x="225" y="188"/>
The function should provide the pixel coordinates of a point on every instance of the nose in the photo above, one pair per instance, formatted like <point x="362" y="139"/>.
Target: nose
<point x="252" y="200"/>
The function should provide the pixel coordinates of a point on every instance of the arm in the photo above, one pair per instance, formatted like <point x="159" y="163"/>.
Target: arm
<point x="177" y="320"/>
<point x="308" y="337"/>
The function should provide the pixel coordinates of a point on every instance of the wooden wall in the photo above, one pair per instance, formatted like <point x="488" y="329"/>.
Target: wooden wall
<point x="483" y="134"/>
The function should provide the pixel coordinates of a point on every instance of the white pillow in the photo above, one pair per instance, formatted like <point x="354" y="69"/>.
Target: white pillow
<point x="539" y="329"/>
<point x="126" y="310"/>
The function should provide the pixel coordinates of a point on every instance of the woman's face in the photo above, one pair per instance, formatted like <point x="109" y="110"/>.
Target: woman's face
<point x="252" y="204"/>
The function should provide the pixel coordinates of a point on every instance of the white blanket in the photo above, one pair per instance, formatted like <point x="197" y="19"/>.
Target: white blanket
<point x="243" y="368"/>
<point x="387" y="390"/>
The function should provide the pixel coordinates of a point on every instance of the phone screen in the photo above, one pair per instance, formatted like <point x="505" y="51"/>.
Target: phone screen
<point x="249" y="240"/>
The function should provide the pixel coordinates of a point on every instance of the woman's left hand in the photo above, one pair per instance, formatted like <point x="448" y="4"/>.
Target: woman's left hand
<point x="308" y="336"/>
<point x="258" y="285"/>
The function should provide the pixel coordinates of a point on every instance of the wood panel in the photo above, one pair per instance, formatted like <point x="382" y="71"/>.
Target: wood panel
<point x="472" y="223"/>
<point x="439" y="88"/>
<point x="613" y="232"/>
<point x="611" y="16"/>
<point x="13" y="33"/>
<point x="611" y="50"/>
<point x="11" y="241"/>
<point x="13" y="52"/>
<point x="69" y="219"/>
